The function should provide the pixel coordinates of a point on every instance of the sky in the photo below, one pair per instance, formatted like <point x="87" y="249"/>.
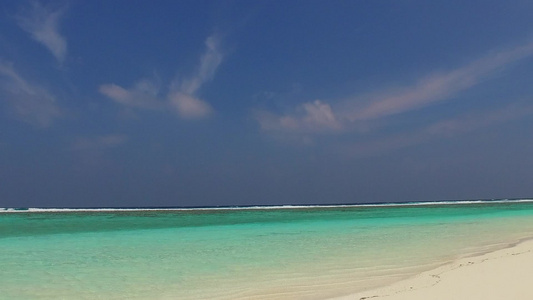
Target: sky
<point x="210" y="103"/>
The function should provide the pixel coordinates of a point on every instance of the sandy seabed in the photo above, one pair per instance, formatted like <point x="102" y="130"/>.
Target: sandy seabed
<point x="503" y="274"/>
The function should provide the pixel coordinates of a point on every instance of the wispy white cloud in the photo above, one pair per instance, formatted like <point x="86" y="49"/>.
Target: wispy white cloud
<point x="320" y="117"/>
<point x="209" y="63"/>
<point x="182" y="94"/>
<point x="28" y="101"/>
<point x="473" y="122"/>
<point x="42" y="23"/>
<point x="437" y="87"/>
<point x="144" y="94"/>
<point x="98" y="142"/>
<point x="189" y="107"/>
<point x="310" y="117"/>
<point x="441" y="130"/>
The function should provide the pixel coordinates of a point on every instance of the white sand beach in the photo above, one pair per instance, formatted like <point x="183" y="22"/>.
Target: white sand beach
<point x="503" y="274"/>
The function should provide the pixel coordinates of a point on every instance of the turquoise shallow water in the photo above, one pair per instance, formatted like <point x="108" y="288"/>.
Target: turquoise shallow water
<point x="292" y="253"/>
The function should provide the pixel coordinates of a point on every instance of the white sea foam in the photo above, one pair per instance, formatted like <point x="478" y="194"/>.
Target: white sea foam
<point x="258" y="207"/>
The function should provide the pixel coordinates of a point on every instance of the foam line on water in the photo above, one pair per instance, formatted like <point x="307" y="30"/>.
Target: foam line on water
<point x="259" y="207"/>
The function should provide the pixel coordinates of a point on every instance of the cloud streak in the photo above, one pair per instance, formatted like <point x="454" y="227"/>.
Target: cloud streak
<point x="42" y="23"/>
<point x="320" y="117"/>
<point x="182" y="94"/>
<point x="311" y="117"/>
<point x="98" y="143"/>
<point x="209" y="63"/>
<point x="441" y="130"/>
<point x="143" y="95"/>
<point x="438" y="87"/>
<point x="189" y="107"/>
<point x="27" y="101"/>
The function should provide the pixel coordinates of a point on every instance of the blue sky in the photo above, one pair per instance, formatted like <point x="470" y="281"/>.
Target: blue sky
<point x="194" y="103"/>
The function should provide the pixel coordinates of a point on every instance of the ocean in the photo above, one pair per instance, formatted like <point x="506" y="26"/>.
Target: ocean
<point x="286" y="252"/>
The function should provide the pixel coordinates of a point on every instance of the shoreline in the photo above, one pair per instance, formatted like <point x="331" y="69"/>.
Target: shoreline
<point x="501" y="274"/>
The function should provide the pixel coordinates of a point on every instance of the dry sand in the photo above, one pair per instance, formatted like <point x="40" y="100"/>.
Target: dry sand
<point x="503" y="274"/>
